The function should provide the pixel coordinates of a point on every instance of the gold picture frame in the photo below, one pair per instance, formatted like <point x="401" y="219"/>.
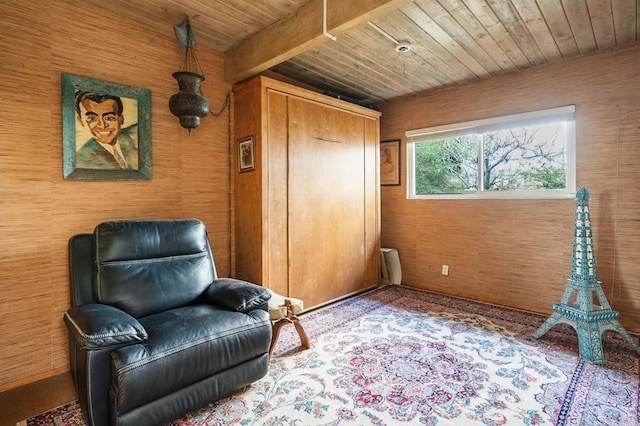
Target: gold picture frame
<point x="390" y="163"/>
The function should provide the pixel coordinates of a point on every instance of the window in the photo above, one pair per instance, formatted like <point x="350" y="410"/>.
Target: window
<point x="529" y="155"/>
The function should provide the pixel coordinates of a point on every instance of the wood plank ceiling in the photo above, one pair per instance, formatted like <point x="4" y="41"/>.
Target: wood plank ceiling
<point x="452" y="41"/>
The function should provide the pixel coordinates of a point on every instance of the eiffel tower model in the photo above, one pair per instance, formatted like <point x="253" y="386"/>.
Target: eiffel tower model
<point x="589" y="321"/>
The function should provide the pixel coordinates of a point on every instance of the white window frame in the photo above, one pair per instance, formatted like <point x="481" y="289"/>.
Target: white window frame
<point x="566" y="113"/>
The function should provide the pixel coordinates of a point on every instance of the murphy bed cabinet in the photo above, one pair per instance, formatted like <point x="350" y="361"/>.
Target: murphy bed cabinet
<point x="307" y="215"/>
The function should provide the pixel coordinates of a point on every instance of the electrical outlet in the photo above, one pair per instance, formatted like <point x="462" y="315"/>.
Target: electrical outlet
<point x="445" y="269"/>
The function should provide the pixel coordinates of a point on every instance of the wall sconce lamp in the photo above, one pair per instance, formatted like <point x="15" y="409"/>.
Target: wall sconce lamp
<point x="188" y="104"/>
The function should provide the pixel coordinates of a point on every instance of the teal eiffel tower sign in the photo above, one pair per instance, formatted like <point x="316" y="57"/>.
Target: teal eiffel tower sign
<point x="590" y="321"/>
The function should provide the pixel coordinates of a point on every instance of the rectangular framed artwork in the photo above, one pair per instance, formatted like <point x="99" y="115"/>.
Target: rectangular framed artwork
<point x="390" y="162"/>
<point x="106" y="130"/>
<point x="246" y="156"/>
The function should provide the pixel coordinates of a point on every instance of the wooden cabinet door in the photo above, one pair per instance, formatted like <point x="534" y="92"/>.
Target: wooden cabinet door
<point x="326" y="202"/>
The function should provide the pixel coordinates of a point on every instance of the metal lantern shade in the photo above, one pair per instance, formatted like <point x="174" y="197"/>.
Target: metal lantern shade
<point x="188" y="104"/>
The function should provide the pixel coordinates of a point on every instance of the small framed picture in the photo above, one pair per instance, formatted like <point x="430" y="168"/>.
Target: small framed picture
<point x="246" y="157"/>
<point x="390" y="162"/>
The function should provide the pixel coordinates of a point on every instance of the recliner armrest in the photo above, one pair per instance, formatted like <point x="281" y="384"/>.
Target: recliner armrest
<point x="238" y="295"/>
<point x="97" y="326"/>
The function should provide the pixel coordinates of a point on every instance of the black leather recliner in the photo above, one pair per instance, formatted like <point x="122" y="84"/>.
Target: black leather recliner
<point x="153" y="332"/>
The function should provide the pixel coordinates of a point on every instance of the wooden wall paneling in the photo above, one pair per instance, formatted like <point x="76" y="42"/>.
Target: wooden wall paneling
<point x="518" y="252"/>
<point x="326" y="202"/>
<point x="319" y="235"/>
<point x="276" y="219"/>
<point x="41" y="210"/>
<point x="248" y="195"/>
<point x="354" y="201"/>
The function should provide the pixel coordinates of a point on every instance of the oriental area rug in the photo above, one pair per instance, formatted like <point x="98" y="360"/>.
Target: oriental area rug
<point x="397" y="355"/>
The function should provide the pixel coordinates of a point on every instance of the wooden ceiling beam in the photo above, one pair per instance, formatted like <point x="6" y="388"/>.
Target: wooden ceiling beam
<point x="298" y="32"/>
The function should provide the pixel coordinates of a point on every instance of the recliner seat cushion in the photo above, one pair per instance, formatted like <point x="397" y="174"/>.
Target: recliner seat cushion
<point x="185" y="345"/>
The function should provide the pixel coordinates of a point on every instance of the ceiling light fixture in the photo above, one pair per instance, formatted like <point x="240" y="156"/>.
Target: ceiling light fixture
<point x="188" y="104"/>
<point x="403" y="47"/>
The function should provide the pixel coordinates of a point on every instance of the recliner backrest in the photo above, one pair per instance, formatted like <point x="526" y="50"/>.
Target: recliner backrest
<point x="149" y="266"/>
<point x="81" y="269"/>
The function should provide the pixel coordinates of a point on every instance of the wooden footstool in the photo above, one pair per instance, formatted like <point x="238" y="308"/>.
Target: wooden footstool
<point x="284" y="310"/>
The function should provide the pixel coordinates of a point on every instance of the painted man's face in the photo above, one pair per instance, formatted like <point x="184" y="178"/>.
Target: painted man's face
<point x="102" y="119"/>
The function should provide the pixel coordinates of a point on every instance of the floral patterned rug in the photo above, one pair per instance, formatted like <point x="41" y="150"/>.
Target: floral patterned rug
<point x="398" y="355"/>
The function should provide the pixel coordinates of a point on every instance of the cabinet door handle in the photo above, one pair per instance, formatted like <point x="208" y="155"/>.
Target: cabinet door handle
<point x="327" y="140"/>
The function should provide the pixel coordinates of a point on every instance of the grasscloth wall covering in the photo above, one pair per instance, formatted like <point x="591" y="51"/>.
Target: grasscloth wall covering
<point x="40" y="211"/>
<point x="518" y="252"/>
<point x="515" y="253"/>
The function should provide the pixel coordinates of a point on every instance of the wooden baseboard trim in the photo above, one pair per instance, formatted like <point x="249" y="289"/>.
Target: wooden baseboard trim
<point x="33" y="379"/>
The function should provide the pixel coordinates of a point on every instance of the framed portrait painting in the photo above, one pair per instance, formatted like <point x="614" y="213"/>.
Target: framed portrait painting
<point x="390" y="162"/>
<point x="246" y="156"/>
<point x="106" y="130"/>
